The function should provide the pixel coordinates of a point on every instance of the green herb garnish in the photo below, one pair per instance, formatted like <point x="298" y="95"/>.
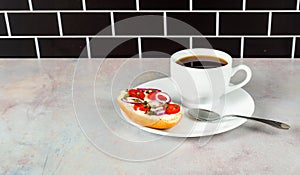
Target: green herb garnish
<point x="126" y="96"/>
<point x="167" y="105"/>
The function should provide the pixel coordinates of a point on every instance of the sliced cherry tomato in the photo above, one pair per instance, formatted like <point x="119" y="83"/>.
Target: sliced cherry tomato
<point x="152" y="94"/>
<point x="136" y="106"/>
<point x="136" y="93"/>
<point x="141" y="107"/>
<point x="172" y="109"/>
<point x="144" y="108"/>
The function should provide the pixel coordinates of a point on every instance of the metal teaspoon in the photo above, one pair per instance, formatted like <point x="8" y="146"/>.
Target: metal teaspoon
<point x="207" y="115"/>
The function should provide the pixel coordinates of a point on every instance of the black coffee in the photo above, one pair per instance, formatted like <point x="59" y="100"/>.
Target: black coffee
<point x="201" y="61"/>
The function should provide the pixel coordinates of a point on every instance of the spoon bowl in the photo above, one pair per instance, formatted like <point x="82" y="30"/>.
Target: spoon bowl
<point x="207" y="115"/>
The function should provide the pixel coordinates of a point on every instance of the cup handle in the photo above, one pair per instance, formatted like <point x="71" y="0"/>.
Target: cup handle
<point x="245" y="68"/>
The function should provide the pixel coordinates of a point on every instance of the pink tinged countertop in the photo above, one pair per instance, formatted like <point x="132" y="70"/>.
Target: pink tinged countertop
<point x="40" y="133"/>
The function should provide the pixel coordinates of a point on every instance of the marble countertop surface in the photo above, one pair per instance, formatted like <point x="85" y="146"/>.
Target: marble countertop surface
<point x="58" y="117"/>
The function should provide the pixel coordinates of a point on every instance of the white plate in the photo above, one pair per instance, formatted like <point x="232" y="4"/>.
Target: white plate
<point x="237" y="102"/>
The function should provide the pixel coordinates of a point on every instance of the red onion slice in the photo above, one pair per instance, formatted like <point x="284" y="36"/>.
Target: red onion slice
<point x="162" y="112"/>
<point x="145" y="89"/>
<point x="168" y="98"/>
<point x="132" y="100"/>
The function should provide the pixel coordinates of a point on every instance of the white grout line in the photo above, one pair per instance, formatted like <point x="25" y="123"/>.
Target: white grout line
<point x="137" y="3"/>
<point x="112" y="21"/>
<point x="242" y="47"/>
<point x="30" y="5"/>
<point x="293" y="47"/>
<point x="165" y="24"/>
<point x="217" y="23"/>
<point x="244" y="5"/>
<point x="59" y="24"/>
<point x="100" y="11"/>
<point x="83" y="5"/>
<point x="37" y="47"/>
<point x="140" y="47"/>
<point x="88" y="48"/>
<point x="298" y="3"/>
<point x="191" y="42"/>
<point x="191" y="5"/>
<point x="7" y="24"/>
<point x="269" y="23"/>
<point x="157" y="36"/>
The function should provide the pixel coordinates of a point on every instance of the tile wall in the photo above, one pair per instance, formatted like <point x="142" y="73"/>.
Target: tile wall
<point x="70" y="29"/>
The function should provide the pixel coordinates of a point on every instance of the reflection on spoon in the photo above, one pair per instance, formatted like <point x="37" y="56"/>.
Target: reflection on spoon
<point x="207" y="115"/>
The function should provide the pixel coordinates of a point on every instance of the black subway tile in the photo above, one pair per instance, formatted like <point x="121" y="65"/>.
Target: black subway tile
<point x="139" y="23"/>
<point x="110" y="5"/>
<point x="285" y="24"/>
<point x="164" y="4"/>
<point x="86" y="23"/>
<point x="267" y="47"/>
<point x="17" y="48"/>
<point x="57" y="5"/>
<point x="162" y="47"/>
<point x="243" y="23"/>
<point x="114" y="47"/>
<point x="297" y="48"/>
<point x="14" y="5"/>
<point x="218" y="4"/>
<point x="3" y="30"/>
<point x="271" y="4"/>
<point x="191" y="23"/>
<point x="62" y="47"/>
<point x="33" y="24"/>
<point x="231" y="46"/>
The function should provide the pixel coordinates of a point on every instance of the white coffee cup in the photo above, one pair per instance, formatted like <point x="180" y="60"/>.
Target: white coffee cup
<point x="208" y="85"/>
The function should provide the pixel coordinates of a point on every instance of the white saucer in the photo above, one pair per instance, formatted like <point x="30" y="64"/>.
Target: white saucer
<point x="236" y="102"/>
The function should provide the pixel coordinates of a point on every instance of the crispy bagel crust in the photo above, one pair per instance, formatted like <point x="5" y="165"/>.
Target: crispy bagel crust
<point x="144" y="120"/>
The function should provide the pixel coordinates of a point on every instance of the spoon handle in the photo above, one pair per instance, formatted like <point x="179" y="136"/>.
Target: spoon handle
<point x="273" y="123"/>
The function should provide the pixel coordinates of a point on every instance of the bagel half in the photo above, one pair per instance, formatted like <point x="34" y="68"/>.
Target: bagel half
<point x="152" y="121"/>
